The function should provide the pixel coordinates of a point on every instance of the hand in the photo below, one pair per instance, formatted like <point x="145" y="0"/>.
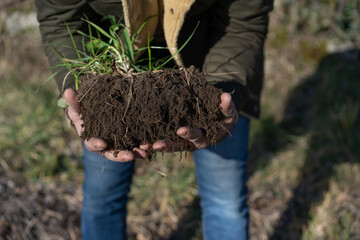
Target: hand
<point x="96" y="144"/>
<point x="195" y="136"/>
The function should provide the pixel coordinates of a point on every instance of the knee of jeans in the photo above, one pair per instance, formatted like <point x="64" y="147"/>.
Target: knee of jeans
<point x="103" y="195"/>
<point x="228" y="208"/>
<point x="104" y="204"/>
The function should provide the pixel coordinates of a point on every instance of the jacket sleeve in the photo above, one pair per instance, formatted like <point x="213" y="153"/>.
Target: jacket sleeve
<point x="52" y="16"/>
<point x="238" y="32"/>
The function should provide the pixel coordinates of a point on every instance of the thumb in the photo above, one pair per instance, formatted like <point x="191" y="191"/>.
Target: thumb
<point x="72" y="100"/>
<point x="227" y="106"/>
<point x="74" y="109"/>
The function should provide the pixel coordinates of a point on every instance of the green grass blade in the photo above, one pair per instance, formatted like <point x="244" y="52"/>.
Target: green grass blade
<point x="114" y="29"/>
<point x="129" y="46"/>
<point x="122" y="50"/>
<point x="72" y="39"/>
<point x="111" y="18"/>
<point x="137" y="69"/>
<point x="141" y="28"/>
<point x="91" y="46"/>
<point x="152" y="47"/>
<point x="149" y="51"/>
<point x="85" y="35"/>
<point x="158" y="62"/>
<point x="76" y="81"/>
<point x="138" y="51"/>
<point x="186" y="42"/>
<point x="55" y="51"/>
<point x="65" y="46"/>
<point x="143" y="60"/>
<point x="138" y="31"/>
<point x="47" y="80"/>
<point x="61" y="58"/>
<point x="102" y="31"/>
<point x="83" y="43"/>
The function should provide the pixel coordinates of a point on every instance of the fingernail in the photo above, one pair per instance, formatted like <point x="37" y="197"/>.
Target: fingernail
<point x="137" y="152"/>
<point x="98" y="147"/>
<point x="159" y="148"/>
<point x="182" y="133"/>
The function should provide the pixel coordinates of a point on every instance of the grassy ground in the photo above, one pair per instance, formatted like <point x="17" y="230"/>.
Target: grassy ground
<point x="304" y="164"/>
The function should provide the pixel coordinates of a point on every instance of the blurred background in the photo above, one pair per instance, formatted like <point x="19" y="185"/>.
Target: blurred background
<point x="304" y="164"/>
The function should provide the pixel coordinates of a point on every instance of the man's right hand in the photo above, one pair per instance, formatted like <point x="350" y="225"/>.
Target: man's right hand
<point x="96" y="144"/>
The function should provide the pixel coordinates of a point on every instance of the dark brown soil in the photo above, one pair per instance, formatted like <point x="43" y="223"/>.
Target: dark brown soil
<point x="129" y="110"/>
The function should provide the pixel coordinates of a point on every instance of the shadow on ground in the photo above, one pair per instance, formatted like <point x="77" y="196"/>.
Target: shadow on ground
<point x="190" y="224"/>
<point x="325" y="106"/>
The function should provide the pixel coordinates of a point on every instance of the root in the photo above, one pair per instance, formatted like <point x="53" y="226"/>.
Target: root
<point x="187" y="78"/>
<point x="109" y="104"/>
<point x="114" y="139"/>
<point x="161" y="173"/>
<point x="228" y="132"/>
<point x="88" y="90"/>
<point x="129" y="98"/>
<point x="66" y="77"/>
<point x="198" y="105"/>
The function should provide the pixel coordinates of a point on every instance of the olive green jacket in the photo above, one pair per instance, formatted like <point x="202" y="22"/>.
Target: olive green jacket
<point x="227" y="46"/>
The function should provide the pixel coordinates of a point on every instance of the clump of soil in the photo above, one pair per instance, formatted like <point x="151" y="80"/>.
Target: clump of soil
<point x="136" y="108"/>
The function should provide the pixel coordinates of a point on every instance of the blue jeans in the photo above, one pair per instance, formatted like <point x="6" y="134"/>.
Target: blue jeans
<point x="221" y="177"/>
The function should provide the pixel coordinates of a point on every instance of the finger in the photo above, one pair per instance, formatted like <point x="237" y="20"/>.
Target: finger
<point x="169" y="146"/>
<point x="119" y="156"/>
<point x="162" y="145"/>
<point x="190" y="134"/>
<point x="74" y="109"/>
<point x="139" y="153"/>
<point x="229" y="110"/>
<point x="76" y="120"/>
<point x="95" y="145"/>
<point x="145" y="147"/>
<point x="227" y="106"/>
<point x="72" y="100"/>
<point x="230" y="120"/>
<point x="194" y="135"/>
<point x="225" y="126"/>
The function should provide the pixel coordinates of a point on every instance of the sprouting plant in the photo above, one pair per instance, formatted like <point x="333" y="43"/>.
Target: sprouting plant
<point x="110" y="52"/>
